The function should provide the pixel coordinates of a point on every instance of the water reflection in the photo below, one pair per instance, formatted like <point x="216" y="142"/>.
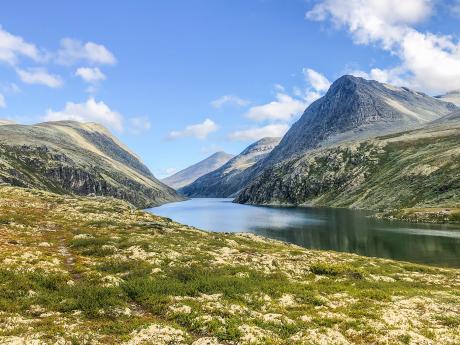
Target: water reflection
<point x="323" y="228"/>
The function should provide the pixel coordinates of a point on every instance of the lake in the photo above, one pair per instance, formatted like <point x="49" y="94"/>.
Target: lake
<point x="341" y="230"/>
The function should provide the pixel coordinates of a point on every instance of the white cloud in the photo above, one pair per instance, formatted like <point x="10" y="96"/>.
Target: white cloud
<point x="229" y="99"/>
<point x="318" y="81"/>
<point x="273" y="130"/>
<point x="373" y="20"/>
<point x="90" y="74"/>
<point x="429" y="62"/>
<point x="394" y="76"/>
<point x="199" y="131"/>
<point x="39" y="76"/>
<point x="2" y="101"/>
<point x="11" y="47"/>
<point x="90" y="111"/>
<point x="284" y="108"/>
<point x="72" y="51"/>
<point x="139" y="124"/>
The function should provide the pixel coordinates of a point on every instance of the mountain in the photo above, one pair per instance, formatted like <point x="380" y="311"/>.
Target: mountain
<point x="417" y="168"/>
<point x="356" y="108"/>
<point x="454" y="116"/>
<point x="226" y="180"/>
<point x="453" y="97"/>
<point x="77" y="158"/>
<point x="190" y="174"/>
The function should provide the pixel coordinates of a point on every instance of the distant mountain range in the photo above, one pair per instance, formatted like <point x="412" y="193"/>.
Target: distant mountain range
<point x="418" y="168"/>
<point x="190" y="174"/>
<point x="78" y="158"/>
<point x="338" y="155"/>
<point x="226" y="180"/>
<point x="363" y="144"/>
<point x="353" y="109"/>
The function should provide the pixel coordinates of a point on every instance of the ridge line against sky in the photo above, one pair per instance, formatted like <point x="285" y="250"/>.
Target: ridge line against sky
<point x="176" y="88"/>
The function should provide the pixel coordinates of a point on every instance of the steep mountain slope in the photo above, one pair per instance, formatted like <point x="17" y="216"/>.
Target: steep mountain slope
<point x="453" y="97"/>
<point x="417" y="168"/>
<point x="79" y="158"/>
<point x="226" y="180"/>
<point x="355" y="108"/>
<point x="190" y="174"/>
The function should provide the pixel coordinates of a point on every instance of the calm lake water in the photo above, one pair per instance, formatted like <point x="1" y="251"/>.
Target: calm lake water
<point x="324" y="228"/>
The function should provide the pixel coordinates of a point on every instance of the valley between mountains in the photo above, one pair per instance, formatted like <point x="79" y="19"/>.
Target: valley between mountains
<point x="81" y="263"/>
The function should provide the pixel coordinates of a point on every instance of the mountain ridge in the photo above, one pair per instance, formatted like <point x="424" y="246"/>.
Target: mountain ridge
<point x="78" y="158"/>
<point x="412" y="169"/>
<point x="192" y="173"/>
<point x="355" y="108"/>
<point x="224" y="181"/>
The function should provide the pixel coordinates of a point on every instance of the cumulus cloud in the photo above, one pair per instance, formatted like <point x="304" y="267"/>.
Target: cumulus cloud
<point x="394" y="76"/>
<point x="72" y="51"/>
<point x="2" y="101"/>
<point x="284" y="108"/>
<point x="273" y="130"/>
<point x="89" y="111"/>
<point x="199" y="131"/>
<point x="229" y="99"/>
<point x="90" y="74"/>
<point x="12" y="47"/>
<point x="318" y="81"/>
<point x="39" y="76"/>
<point x="430" y="62"/>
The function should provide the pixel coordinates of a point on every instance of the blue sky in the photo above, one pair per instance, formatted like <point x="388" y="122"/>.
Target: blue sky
<point x="178" y="80"/>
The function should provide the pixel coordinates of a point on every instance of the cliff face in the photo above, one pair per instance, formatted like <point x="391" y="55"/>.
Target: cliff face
<point x="229" y="179"/>
<point x="71" y="157"/>
<point x="412" y="169"/>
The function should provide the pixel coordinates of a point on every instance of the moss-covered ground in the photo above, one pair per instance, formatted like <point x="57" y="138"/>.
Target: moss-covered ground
<point x="97" y="271"/>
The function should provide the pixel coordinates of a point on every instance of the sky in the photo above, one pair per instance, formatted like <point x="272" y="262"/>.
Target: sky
<point x="178" y="80"/>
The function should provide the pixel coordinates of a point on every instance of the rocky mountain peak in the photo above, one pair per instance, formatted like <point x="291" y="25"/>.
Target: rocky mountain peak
<point x="356" y="108"/>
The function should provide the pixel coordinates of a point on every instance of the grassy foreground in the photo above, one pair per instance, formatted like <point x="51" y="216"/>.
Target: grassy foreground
<point x="96" y="271"/>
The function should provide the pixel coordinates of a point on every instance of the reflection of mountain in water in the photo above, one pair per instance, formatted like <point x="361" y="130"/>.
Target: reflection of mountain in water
<point x="352" y="231"/>
<point x="322" y="228"/>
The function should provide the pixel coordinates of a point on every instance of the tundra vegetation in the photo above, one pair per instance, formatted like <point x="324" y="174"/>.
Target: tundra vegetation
<point x="93" y="270"/>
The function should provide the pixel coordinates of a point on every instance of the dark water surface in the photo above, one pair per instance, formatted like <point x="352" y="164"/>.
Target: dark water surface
<point x="324" y="228"/>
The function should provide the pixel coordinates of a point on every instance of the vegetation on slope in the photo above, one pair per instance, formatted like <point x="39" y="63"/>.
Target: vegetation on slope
<point x="77" y="158"/>
<point x="97" y="271"/>
<point x="417" y="169"/>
